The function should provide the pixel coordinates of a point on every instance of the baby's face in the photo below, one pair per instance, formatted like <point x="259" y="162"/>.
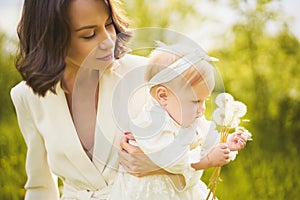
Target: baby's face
<point x="188" y="104"/>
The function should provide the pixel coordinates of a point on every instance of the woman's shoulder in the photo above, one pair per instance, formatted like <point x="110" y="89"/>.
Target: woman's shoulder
<point x="21" y="91"/>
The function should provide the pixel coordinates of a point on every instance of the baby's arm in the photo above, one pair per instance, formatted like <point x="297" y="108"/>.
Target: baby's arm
<point x="211" y="153"/>
<point x="218" y="156"/>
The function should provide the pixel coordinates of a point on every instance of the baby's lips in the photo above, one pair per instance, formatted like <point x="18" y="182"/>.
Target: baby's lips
<point x="127" y="133"/>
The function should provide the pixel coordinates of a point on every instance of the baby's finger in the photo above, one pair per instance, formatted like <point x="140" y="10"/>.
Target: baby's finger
<point x="223" y="145"/>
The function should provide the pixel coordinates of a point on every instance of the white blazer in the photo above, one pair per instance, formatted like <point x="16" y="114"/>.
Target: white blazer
<point x="54" y="148"/>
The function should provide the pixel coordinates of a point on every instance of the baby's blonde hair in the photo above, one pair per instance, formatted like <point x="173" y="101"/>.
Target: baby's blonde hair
<point x="163" y="56"/>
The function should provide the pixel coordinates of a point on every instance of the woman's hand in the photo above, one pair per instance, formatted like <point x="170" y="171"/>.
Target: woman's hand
<point x="236" y="141"/>
<point x="134" y="161"/>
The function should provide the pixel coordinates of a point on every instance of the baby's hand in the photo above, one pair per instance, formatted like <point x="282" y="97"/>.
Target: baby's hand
<point x="236" y="141"/>
<point x="219" y="155"/>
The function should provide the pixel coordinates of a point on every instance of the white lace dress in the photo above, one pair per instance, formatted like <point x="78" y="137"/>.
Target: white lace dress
<point x="171" y="147"/>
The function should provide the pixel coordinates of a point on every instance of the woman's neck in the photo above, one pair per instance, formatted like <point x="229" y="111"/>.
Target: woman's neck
<point x="69" y="76"/>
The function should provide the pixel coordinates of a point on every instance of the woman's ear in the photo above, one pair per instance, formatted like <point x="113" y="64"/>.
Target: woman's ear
<point x="162" y="94"/>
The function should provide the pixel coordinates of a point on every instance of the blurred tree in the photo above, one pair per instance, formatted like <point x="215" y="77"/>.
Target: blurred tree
<point x="12" y="146"/>
<point x="148" y="13"/>
<point x="9" y="77"/>
<point x="151" y="19"/>
<point x="262" y="70"/>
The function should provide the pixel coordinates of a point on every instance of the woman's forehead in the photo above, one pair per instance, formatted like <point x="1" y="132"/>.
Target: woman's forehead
<point x="87" y="12"/>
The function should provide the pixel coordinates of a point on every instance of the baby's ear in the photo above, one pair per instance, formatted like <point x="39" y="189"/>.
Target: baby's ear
<point x="161" y="94"/>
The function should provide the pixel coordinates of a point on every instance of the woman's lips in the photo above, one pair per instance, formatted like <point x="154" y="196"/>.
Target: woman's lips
<point x="106" y="58"/>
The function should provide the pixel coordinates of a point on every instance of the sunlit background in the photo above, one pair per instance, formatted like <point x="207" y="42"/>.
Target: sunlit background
<point x="257" y="43"/>
<point x="209" y="33"/>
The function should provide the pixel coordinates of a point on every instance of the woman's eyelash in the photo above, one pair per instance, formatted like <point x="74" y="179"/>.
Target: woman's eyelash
<point x="89" y="37"/>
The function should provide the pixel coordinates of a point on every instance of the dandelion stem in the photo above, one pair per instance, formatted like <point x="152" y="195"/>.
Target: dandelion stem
<point x="214" y="179"/>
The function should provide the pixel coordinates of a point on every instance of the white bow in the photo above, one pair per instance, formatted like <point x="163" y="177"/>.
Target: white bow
<point x="180" y="66"/>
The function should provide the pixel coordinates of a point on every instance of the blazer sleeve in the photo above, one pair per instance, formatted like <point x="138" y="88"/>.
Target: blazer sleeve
<point x="41" y="183"/>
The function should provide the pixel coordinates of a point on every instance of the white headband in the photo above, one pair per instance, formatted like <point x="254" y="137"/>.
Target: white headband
<point x="180" y="66"/>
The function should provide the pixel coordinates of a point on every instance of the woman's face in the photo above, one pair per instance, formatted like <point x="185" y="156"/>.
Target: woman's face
<point x="92" y="34"/>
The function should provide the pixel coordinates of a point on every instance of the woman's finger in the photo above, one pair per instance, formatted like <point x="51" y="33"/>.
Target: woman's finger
<point x="125" y="145"/>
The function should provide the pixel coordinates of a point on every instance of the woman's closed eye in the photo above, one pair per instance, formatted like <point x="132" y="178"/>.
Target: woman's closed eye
<point x="90" y="36"/>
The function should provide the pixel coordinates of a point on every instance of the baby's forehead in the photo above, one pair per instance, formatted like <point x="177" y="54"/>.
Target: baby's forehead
<point x="198" y="91"/>
<point x="162" y="57"/>
<point x="202" y="90"/>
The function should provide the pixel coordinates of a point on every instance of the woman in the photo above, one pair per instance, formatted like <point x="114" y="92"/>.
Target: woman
<point x="67" y="58"/>
<point x="58" y="124"/>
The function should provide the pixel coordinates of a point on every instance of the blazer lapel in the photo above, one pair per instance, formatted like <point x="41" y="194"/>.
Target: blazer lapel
<point x="72" y="146"/>
<point x="106" y="128"/>
<point x="115" y="87"/>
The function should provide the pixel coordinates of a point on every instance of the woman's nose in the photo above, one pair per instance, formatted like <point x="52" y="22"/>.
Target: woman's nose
<point x="107" y="44"/>
<point x="107" y="40"/>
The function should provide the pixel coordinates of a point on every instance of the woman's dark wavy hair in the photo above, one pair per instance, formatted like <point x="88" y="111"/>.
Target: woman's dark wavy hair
<point x="44" y="34"/>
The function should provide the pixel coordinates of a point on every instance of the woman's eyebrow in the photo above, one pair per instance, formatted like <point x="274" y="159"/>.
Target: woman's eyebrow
<point x="92" y="26"/>
<point x="85" y="27"/>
